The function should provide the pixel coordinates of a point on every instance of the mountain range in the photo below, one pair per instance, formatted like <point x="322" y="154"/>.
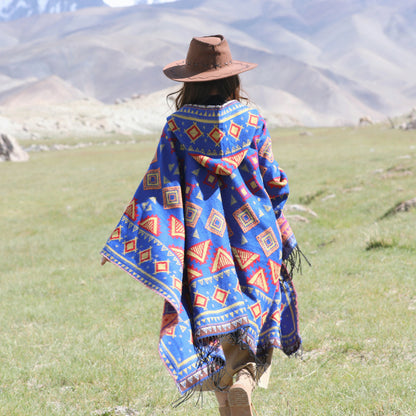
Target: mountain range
<point x="320" y="61"/>
<point x="17" y="9"/>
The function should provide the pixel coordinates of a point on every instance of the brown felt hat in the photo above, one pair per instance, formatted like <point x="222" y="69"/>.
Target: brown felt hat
<point x="208" y="58"/>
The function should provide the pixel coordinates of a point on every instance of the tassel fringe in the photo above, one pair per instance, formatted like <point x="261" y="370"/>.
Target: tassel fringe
<point x="294" y="261"/>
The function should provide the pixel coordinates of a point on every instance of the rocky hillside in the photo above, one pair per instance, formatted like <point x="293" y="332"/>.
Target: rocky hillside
<point x="320" y="62"/>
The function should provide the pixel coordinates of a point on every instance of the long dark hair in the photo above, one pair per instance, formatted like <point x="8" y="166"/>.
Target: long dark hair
<point x="198" y="92"/>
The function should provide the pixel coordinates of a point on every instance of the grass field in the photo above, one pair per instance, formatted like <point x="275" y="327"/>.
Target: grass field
<point x="81" y="339"/>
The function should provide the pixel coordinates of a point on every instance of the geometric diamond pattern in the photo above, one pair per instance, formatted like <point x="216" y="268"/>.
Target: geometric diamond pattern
<point x="172" y="197"/>
<point x="253" y="185"/>
<point x="216" y="135"/>
<point x="145" y="255"/>
<point x="246" y="218"/>
<point x="256" y="310"/>
<point x="194" y="132"/>
<point x="130" y="246"/>
<point x="220" y="295"/>
<point x="152" y="180"/>
<point x="192" y="214"/>
<point x="216" y="223"/>
<point x="211" y="180"/>
<point x="200" y="300"/>
<point x="253" y="120"/>
<point x="161" y="267"/>
<point x="268" y="241"/>
<point x="235" y="130"/>
<point x="242" y="190"/>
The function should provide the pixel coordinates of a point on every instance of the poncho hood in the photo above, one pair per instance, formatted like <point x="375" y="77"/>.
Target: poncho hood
<point x="217" y="137"/>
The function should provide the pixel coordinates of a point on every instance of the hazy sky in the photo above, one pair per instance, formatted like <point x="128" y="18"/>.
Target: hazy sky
<point x="119" y="3"/>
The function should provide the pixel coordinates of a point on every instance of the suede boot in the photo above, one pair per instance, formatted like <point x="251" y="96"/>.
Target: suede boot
<point x="240" y="392"/>
<point x="223" y="404"/>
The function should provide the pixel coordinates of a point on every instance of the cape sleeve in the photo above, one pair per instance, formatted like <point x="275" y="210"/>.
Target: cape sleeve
<point x="277" y="186"/>
<point x="148" y="241"/>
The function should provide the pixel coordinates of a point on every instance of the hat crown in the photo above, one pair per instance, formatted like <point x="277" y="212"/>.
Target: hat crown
<point x="209" y="52"/>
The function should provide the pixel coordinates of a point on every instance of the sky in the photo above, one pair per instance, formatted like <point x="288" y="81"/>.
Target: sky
<point x="119" y="3"/>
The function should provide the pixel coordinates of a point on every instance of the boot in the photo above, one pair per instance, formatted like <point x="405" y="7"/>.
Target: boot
<point x="223" y="404"/>
<point x="240" y="392"/>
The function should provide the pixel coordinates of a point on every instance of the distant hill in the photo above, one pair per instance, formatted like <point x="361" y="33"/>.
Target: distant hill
<point x="320" y="62"/>
<point x="17" y="9"/>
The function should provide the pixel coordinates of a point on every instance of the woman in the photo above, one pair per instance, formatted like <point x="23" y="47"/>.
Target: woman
<point x="205" y="230"/>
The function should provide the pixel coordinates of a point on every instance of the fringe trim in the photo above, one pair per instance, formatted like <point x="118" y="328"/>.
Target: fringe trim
<point x="294" y="261"/>
<point x="294" y="350"/>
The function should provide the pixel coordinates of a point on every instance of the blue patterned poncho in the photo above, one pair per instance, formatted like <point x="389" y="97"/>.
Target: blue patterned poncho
<point x="205" y="230"/>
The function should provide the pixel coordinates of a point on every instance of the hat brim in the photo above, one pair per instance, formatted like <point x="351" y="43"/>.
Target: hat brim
<point x="179" y="71"/>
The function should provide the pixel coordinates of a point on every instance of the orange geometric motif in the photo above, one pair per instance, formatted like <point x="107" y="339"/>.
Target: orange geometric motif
<point x="246" y="218"/>
<point x="220" y="295"/>
<point x="276" y="316"/>
<point x="145" y="255"/>
<point x="172" y="125"/>
<point x="259" y="280"/>
<point x="201" y="159"/>
<point x="234" y="130"/>
<point x="216" y="135"/>
<point x="211" y="180"/>
<point x="161" y="267"/>
<point x="131" y="210"/>
<point x="254" y="160"/>
<point x="216" y="223"/>
<point x="254" y="185"/>
<point x="266" y="150"/>
<point x="222" y="260"/>
<point x="179" y="253"/>
<point x="152" y="180"/>
<point x="244" y="258"/>
<point x="284" y="227"/>
<point x="192" y="214"/>
<point x="116" y="234"/>
<point x="253" y="120"/>
<point x="236" y="159"/>
<point x="268" y="241"/>
<point x="151" y="224"/>
<point x="130" y="246"/>
<point x="244" y="193"/>
<point x="193" y="273"/>
<point x="177" y="284"/>
<point x="277" y="182"/>
<point x="200" y="251"/>
<point x="172" y="197"/>
<point x="193" y="132"/>
<point x="222" y="170"/>
<point x="200" y="301"/>
<point x="275" y="271"/>
<point x="176" y="228"/>
<point x="256" y="309"/>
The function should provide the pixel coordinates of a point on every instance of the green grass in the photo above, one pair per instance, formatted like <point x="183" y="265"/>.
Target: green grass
<point x="81" y="339"/>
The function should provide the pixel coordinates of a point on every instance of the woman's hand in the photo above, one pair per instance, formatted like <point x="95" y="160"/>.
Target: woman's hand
<point x="103" y="260"/>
